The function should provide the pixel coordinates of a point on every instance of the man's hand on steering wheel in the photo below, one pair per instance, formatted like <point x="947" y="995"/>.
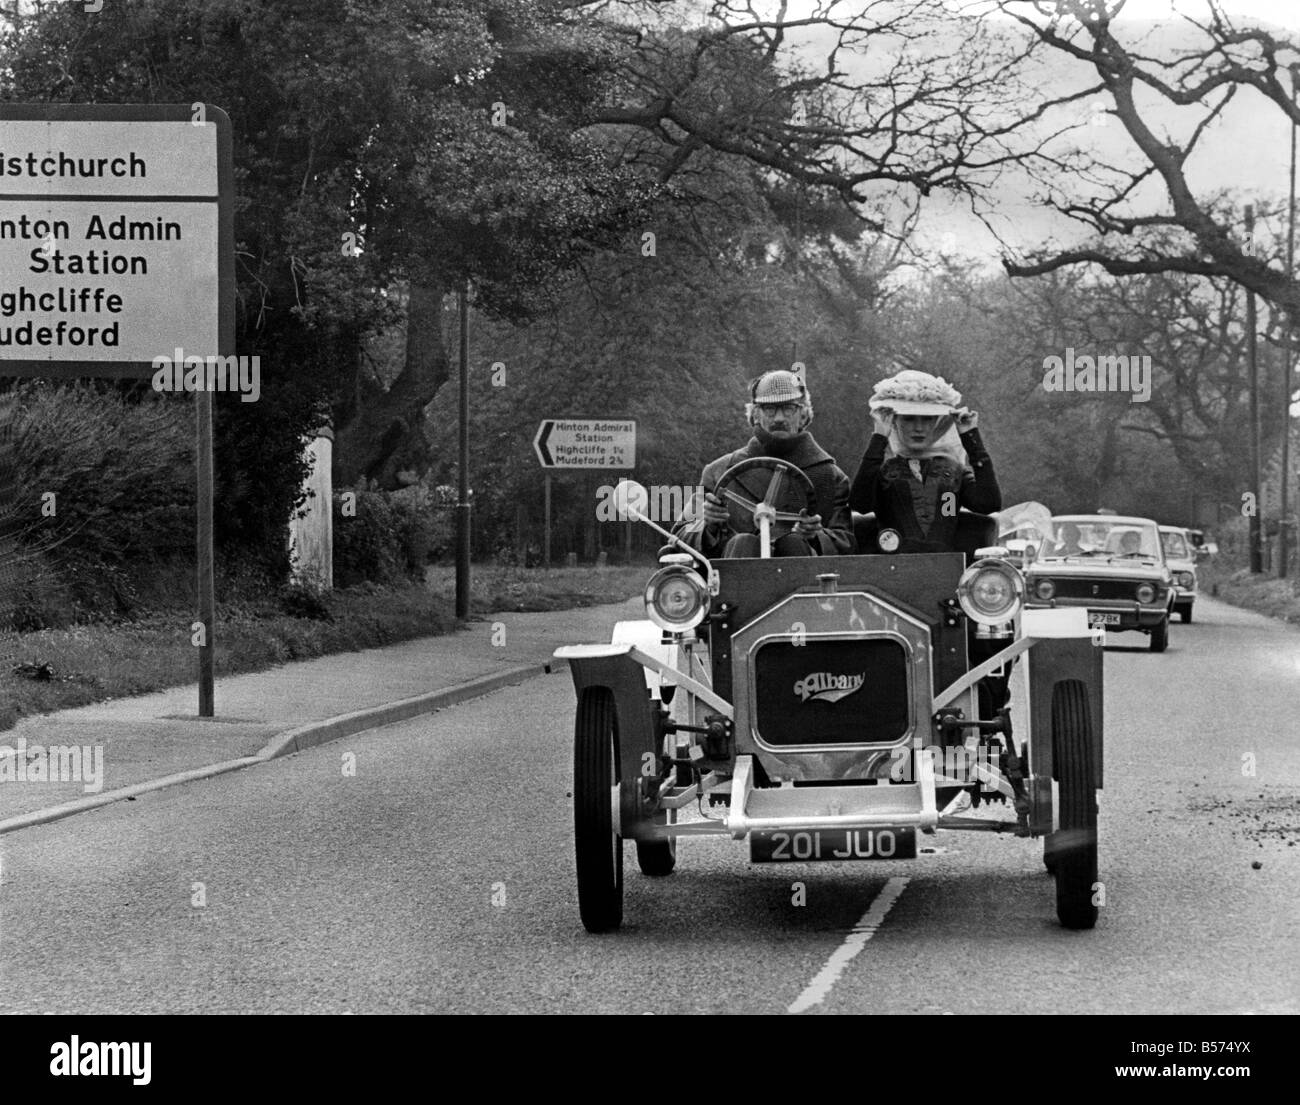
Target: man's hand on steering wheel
<point x="715" y="511"/>
<point x="809" y="525"/>
<point x="785" y="476"/>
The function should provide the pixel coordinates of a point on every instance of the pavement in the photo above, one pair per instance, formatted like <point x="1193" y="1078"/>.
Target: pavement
<point x="133" y="745"/>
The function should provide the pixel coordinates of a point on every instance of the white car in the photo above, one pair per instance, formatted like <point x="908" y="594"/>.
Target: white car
<point x="1180" y="555"/>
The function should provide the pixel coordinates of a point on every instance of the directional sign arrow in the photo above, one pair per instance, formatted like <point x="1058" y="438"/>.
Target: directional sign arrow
<point x="539" y="444"/>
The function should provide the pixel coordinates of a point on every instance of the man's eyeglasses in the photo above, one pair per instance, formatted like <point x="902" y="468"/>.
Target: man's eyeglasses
<point x="790" y="410"/>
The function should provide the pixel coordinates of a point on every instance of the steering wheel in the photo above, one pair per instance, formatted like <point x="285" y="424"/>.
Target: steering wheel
<point x="765" y="513"/>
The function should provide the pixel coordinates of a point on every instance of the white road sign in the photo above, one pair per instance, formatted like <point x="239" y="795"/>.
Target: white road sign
<point x="111" y="238"/>
<point x="586" y="443"/>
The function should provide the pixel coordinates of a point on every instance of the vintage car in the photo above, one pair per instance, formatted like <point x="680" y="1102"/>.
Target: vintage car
<point x="1180" y="555"/>
<point x="1111" y="566"/>
<point x="825" y="709"/>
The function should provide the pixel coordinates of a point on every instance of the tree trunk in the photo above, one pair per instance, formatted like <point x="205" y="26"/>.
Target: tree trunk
<point x="385" y="434"/>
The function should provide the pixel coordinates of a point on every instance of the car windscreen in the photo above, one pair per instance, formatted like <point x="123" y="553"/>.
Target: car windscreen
<point x="1175" y="546"/>
<point x="1100" y="538"/>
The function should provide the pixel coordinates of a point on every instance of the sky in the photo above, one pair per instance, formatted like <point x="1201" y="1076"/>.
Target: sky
<point x="1245" y="153"/>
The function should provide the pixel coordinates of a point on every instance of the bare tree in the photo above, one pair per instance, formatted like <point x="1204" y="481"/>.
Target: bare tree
<point x="1138" y="228"/>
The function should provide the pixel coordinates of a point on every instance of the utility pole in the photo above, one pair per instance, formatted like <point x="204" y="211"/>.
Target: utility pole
<point x="1256" y="558"/>
<point x="1283" y="535"/>
<point x="462" y="505"/>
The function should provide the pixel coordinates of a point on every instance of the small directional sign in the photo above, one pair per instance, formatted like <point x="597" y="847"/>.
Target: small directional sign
<point x="586" y="443"/>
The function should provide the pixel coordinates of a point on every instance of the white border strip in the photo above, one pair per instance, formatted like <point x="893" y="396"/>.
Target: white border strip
<point x="815" y="992"/>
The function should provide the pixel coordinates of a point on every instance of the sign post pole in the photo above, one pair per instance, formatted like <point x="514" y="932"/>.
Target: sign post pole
<point x="546" y="548"/>
<point x="207" y="588"/>
<point x="462" y="507"/>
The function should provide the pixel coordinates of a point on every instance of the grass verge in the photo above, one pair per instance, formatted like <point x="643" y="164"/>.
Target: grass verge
<point x="493" y="589"/>
<point x="1233" y="583"/>
<point x="74" y="666"/>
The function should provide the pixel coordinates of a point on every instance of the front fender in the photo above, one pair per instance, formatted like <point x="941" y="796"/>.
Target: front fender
<point x="1051" y="663"/>
<point x="636" y="728"/>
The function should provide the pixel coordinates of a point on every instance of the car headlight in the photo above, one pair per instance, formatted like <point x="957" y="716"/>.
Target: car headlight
<point x="991" y="592"/>
<point x="1186" y="579"/>
<point x="676" y="599"/>
<point x="1045" y="589"/>
<point x="1146" y="592"/>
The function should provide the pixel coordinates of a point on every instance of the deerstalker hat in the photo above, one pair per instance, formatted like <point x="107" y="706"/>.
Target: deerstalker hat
<point x="778" y="386"/>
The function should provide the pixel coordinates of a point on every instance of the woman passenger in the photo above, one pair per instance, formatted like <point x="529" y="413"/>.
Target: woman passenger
<point x="924" y="462"/>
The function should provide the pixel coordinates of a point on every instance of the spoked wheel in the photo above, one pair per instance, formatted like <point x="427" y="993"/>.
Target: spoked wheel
<point x="1072" y="850"/>
<point x="658" y="857"/>
<point x="596" y="840"/>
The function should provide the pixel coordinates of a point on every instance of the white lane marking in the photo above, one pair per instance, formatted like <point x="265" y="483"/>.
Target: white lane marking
<point x="815" y="992"/>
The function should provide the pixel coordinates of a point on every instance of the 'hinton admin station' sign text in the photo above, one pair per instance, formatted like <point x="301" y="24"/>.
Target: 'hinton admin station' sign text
<point x="109" y="239"/>
<point x="586" y="443"/>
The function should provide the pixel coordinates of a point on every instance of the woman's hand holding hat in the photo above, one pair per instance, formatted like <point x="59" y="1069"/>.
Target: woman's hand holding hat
<point x="967" y="420"/>
<point x="883" y="421"/>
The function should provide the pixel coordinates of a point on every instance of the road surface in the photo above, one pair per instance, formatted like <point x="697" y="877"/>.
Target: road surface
<point x="438" y="877"/>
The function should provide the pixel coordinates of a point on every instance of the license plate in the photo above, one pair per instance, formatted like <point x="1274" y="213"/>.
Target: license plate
<point x="808" y="846"/>
<point x="1103" y="619"/>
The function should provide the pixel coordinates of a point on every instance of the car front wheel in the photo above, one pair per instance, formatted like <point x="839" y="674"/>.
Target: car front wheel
<point x="1072" y="852"/>
<point x="1160" y="635"/>
<point x="597" y="842"/>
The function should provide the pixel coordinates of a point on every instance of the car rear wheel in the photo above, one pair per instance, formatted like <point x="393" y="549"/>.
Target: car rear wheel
<point x="658" y="857"/>
<point x="598" y="845"/>
<point x="1160" y="635"/>
<point x="1072" y="850"/>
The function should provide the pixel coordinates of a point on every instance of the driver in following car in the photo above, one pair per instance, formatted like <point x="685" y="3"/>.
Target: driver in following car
<point x="1069" y="541"/>
<point x="779" y="411"/>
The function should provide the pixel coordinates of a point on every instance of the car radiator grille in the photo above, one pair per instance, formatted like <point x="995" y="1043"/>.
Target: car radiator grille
<point x="1098" y="589"/>
<point x="831" y="692"/>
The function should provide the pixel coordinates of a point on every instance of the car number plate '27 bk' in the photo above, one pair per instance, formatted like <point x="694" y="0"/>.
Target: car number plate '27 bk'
<point x="810" y="845"/>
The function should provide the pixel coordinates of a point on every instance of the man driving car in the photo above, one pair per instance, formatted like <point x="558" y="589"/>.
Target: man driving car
<point x="779" y="411"/>
<point x="1068" y="541"/>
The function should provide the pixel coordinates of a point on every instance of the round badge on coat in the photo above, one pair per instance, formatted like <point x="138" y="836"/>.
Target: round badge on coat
<point x="888" y="540"/>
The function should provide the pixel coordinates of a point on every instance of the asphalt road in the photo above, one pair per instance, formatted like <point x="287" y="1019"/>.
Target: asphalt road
<point x="439" y="878"/>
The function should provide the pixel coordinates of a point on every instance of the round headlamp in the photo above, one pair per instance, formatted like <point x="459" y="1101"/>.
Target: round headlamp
<point x="676" y="598"/>
<point x="1045" y="589"/>
<point x="1186" y="579"/>
<point x="991" y="592"/>
<point x="1146" y="592"/>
